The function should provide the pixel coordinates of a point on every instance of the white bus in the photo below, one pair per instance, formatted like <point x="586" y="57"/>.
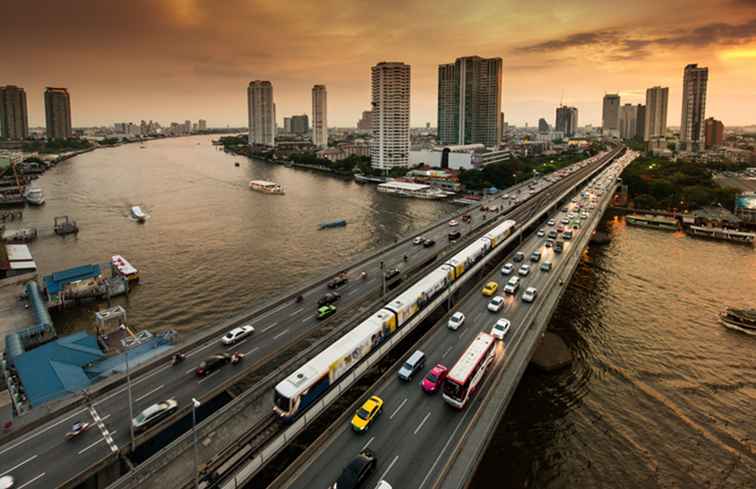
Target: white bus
<point x="466" y="374"/>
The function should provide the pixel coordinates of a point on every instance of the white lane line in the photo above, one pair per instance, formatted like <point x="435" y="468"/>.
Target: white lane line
<point x="305" y="319"/>
<point x="265" y="329"/>
<point x="281" y="334"/>
<point x="383" y="477"/>
<point x="150" y="392"/>
<point x="238" y="343"/>
<point x="207" y="377"/>
<point x="32" y="481"/>
<point x="447" y="351"/>
<point x="37" y="433"/>
<point x="368" y="443"/>
<point x="353" y="291"/>
<point x="95" y="443"/>
<point x="191" y="370"/>
<point x="252" y="350"/>
<point x="104" y="418"/>
<point x="297" y="311"/>
<point x="420" y="426"/>
<point x="19" y="465"/>
<point x="397" y="409"/>
<point x="200" y="349"/>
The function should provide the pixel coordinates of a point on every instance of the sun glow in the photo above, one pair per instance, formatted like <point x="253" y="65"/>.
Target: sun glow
<point x="749" y="53"/>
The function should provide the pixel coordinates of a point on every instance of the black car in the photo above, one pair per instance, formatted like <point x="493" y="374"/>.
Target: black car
<point x="357" y="471"/>
<point x="328" y="299"/>
<point x="428" y="242"/>
<point x="454" y="235"/>
<point x="337" y="282"/>
<point x="211" y="364"/>
<point x="392" y="272"/>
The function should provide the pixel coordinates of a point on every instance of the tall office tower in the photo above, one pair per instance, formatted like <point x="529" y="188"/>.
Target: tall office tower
<point x="640" y="123"/>
<point x="300" y="124"/>
<point x="287" y="124"/>
<point x="202" y="125"/>
<point x="390" y="119"/>
<point x="610" y="116"/>
<point x="566" y="120"/>
<point x="695" y="80"/>
<point x="58" y="113"/>
<point x="364" y="123"/>
<point x="187" y="126"/>
<point x="14" y="118"/>
<point x="262" y="113"/>
<point x="714" y="132"/>
<point x="628" y="117"/>
<point x="469" y="101"/>
<point x="543" y="126"/>
<point x="319" y="116"/>
<point x="656" y="113"/>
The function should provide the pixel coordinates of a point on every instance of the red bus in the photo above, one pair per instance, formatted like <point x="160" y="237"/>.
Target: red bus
<point x="466" y="374"/>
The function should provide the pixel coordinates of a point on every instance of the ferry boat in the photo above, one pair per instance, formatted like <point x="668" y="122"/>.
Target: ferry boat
<point x="34" y="196"/>
<point x="743" y="320"/>
<point x="266" y="187"/>
<point x="138" y="214"/>
<point x="658" y="222"/>
<point x="17" y="236"/>
<point x="121" y="266"/>
<point x="722" y="234"/>
<point x="408" y="189"/>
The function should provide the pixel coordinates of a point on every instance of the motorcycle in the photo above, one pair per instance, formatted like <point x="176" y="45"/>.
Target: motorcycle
<point x="177" y="358"/>
<point x="405" y="258"/>
<point x="76" y="430"/>
<point x="299" y="299"/>
<point x="363" y="275"/>
<point x="236" y="358"/>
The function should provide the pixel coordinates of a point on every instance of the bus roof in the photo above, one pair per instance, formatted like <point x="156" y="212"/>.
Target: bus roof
<point x="470" y="358"/>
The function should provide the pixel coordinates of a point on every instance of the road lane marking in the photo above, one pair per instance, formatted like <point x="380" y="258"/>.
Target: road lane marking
<point x="252" y="350"/>
<point x="297" y="311"/>
<point x="105" y="417"/>
<point x="383" y="477"/>
<point x="95" y="443"/>
<point x="447" y="351"/>
<point x="101" y="425"/>
<point x="32" y="481"/>
<point x="281" y="334"/>
<point x="37" y="433"/>
<point x="366" y="444"/>
<point x="353" y="292"/>
<point x="150" y="392"/>
<point x="238" y="343"/>
<point x="420" y="426"/>
<point x="191" y="370"/>
<point x="397" y="409"/>
<point x="19" y="465"/>
<point x="305" y="319"/>
<point x="207" y="377"/>
<point x="268" y="327"/>
<point x="211" y="343"/>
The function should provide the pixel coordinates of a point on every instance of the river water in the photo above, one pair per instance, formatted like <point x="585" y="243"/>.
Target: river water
<point x="659" y="394"/>
<point x="211" y="248"/>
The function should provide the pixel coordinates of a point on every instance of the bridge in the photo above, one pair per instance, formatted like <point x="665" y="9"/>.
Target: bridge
<point x="286" y="334"/>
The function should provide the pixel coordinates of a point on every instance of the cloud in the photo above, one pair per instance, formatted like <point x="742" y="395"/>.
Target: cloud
<point x="574" y="40"/>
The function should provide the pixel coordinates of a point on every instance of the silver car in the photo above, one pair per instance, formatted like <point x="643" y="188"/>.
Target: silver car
<point x="153" y="414"/>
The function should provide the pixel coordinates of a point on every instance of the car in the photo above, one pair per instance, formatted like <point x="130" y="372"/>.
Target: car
<point x="414" y="363"/>
<point x="496" y="303"/>
<point x="565" y="209"/>
<point x="237" y="334"/>
<point x="548" y="243"/>
<point x="530" y="294"/>
<point x="454" y="235"/>
<point x="490" y="288"/>
<point x="329" y="298"/>
<point x="553" y="234"/>
<point x="212" y="363"/>
<point x="337" y="281"/>
<point x="546" y="266"/>
<point x="535" y="256"/>
<point x="507" y="269"/>
<point x="565" y="220"/>
<point x="501" y="328"/>
<point x="551" y="222"/>
<point x="383" y="485"/>
<point x="418" y="240"/>
<point x="512" y="285"/>
<point x="392" y="272"/>
<point x="428" y="242"/>
<point x="325" y="311"/>
<point x="567" y="235"/>
<point x="456" y="320"/>
<point x="541" y="233"/>
<point x="435" y="379"/>
<point x="560" y="228"/>
<point x="357" y="471"/>
<point x="365" y="415"/>
<point x="524" y="270"/>
<point x="453" y="223"/>
<point x="153" y="414"/>
<point x="558" y="246"/>
<point x="519" y="256"/>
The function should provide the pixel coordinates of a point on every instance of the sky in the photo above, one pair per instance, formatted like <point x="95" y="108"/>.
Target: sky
<point x="171" y="60"/>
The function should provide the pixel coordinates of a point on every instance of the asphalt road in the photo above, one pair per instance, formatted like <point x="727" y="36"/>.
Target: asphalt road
<point x="416" y="430"/>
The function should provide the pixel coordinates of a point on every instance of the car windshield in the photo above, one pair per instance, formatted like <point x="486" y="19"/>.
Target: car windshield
<point x="456" y="317"/>
<point x="432" y="378"/>
<point x="362" y="413"/>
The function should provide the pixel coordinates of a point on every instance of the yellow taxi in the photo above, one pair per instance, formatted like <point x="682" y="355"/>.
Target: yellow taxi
<point x="490" y="289"/>
<point x="365" y="415"/>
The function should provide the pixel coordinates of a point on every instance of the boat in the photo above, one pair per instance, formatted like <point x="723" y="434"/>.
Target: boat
<point x="722" y="234"/>
<point x="34" y="196"/>
<point x="266" y="187"/>
<point x="333" y="224"/>
<point x="407" y="189"/>
<point x="743" y="320"/>
<point x="121" y="266"/>
<point x="361" y="178"/>
<point x="17" y="236"/>
<point x="63" y="225"/>
<point x="138" y="214"/>
<point x="658" y="222"/>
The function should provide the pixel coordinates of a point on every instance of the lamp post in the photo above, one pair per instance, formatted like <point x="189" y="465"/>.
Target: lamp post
<point x="195" y="405"/>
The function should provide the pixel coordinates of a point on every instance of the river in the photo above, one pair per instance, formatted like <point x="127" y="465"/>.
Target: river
<point x="659" y="394"/>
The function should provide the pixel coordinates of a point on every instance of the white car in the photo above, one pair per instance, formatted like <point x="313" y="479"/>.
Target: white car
<point x="383" y="485"/>
<point x="456" y="320"/>
<point x="237" y="334"/>
<point x="530" y="294"/>
<point x="541" y="233"/>
<point x="551" y="222"/>
<point x="453" y="223"/>
<point x="507" y="269"/>
<point x="524" y="270"/>
<point x="418" y="240"/>
<point x="496" y="303"/>
<point x="500" y="329"/>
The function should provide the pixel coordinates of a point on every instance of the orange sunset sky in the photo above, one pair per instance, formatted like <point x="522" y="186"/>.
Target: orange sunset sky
<point x="189" y="59"/>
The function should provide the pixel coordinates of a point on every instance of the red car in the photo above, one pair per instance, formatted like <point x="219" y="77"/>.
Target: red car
<point x="560" y="228"/>
<point x="432" y="382"/>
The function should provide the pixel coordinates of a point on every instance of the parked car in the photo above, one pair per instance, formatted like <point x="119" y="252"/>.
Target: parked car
<point x="530" y="294"/>
<point x="366" y="414"/>
<point x="428" y="242"/>
<point x="500" y="329"/>
<point x="490" y="288"/>
<point x="435" y="378"/>
<point x="357" y="471"/>
<point x="496" y="303"/>
<point x="329" y="298"/>
<point x="325" y="311"/>
<point x="507" y="269"/>
<point x="237" y="334"/>
<point x="212" y="363"/>
<point x="456" y="320"/>
<point x="524" y="269"/>
<point x="153" y="414"/>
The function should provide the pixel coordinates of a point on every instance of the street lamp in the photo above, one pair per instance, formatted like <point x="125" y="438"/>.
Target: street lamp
<point x="195" y="405"/>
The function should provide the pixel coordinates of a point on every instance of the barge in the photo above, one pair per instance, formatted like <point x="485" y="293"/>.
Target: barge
<point x="266" y="187"/>
<point x="414" y="190"/>
<point x="657" y="222"/>
<point x="722" y="234"/>
<point x="743" y="320"/>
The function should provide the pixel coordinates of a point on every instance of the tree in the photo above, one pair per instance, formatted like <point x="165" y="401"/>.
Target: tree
<point x="645" y="201"/>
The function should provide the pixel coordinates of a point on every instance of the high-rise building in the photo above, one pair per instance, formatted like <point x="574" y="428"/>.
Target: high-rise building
<point x="566" y="120"/>
<point x="58" y="113"/>
<point x="714" y="132"/>
<point x="640" y="123"/>
<point x="287" y="124"/>
<point x="656" y="113"/>
<point x="262" y="113"/>
<point x="364" y="123"/>
<point x="469" y="101"/>
<point x="610" y="115"/>
<point x="300" y="124"/>
<point x="695" y="80"/>
<point x="14" y="118"/>
<point x="202" y="125"/>
<point x="319" y="116"/>
<point x="543" y="126"/>
<point x="390" y="143"/>
<point x="628" y="117"/>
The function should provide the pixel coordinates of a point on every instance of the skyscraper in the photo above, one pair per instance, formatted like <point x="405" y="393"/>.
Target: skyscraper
<point x="14" y="118"/>
<point x="640" y="124"/>
<point x="610" y="115"/>
<point x="262" y="113"/>
<point x="469" y="101"/>
<point x="58" y="113"/>
<point x="300" y="124"/>
<point x="628" y="117"/>
<point x="319" y="116"/>
<point x="656" y="113"/>
<point x="566" y="120"/>
<point x="390" y="144"/>
<point x="695" y="80"/>
<point x="714" y="131"/>
<point x="543" y="126"/>
<point x="364" y="123"/>
<point x="287" y="124"/>
<point x="201" y="125"/>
